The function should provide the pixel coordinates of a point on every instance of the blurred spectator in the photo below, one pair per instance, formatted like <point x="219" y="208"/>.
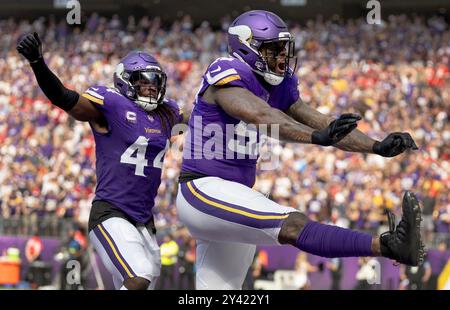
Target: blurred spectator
<point x="442" y="216"/>
<point x="415" y="278"/>
<point x="169" y="259"/>
<point x="367" y="276"/>
<point x="429" y="204"/>
<point x="335" y="267"/>
<point x="186" y="269"/>
<point x="260" y="265"/>
<point x="441" y="258"/>
<point x="302" y="269"/>
<point x="75" y="252"/>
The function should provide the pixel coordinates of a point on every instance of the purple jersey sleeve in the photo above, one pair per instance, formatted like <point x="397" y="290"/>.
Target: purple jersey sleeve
<point x="228" y="72"/>
<point x="96" y="95"/>
<point x="107" y="100"/>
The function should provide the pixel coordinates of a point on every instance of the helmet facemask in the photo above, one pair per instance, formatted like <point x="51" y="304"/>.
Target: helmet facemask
<point x="146" y="87"/>
<point x="149" y="87"/>
<point x="277" y="60"/>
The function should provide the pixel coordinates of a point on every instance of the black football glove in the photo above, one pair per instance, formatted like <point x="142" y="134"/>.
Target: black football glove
<point x="336" y="131"/>
<point x="394" y="144"/>
<point x="30" y="47"/>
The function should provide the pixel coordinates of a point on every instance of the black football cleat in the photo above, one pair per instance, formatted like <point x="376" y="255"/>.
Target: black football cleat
<point x="403" y="243"/>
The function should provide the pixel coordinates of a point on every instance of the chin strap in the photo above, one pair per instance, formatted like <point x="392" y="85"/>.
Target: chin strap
<point x="146" y="103"/>
<point x="273" y="79"/>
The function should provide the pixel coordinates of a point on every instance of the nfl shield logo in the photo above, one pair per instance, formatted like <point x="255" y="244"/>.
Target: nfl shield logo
<point x="150" y="118"/>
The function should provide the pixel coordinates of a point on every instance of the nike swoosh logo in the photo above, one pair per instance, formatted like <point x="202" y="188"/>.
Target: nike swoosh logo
<point x="93" y="88"/>
<point x="217" y="70"/>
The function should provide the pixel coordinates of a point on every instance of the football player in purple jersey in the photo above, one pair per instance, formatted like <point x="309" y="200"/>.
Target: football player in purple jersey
<point x="257" y="85"/>
<point x="131" y="124"/>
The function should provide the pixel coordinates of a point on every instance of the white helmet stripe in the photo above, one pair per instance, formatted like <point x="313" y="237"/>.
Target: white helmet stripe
<point x="242" y="31"/>
<point x="244" y="34"/>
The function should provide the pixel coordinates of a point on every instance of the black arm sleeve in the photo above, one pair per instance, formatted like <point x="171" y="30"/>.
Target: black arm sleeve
<point x="52" y="87"/>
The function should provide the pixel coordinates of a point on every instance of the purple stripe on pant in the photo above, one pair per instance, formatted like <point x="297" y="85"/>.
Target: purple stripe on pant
<point x="228" y="215"/>
<point x="110" y="252"/>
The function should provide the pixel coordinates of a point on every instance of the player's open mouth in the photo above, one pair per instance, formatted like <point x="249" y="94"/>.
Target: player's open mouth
<point x="281" y="68"/>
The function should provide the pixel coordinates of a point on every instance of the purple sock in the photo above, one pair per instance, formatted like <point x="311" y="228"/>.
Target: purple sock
<point x="332" y="241"/>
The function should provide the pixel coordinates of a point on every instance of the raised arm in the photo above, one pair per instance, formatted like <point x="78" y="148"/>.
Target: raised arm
<point x="394" y="144"/>
<point x="80" y="108"/>
<point x="244" y="105"/>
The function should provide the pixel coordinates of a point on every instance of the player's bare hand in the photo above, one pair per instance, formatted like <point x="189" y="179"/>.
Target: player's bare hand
<point x="337" y="130"/>
<point x="394" y="144"/>
<point x="30" y="47"/>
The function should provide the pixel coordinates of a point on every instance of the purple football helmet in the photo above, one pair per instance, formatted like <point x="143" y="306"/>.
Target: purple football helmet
<point x="249" y="31"/>
<point x="140" y="78"/>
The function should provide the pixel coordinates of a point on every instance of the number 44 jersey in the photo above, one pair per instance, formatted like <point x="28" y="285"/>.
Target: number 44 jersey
<point x="130" y="155"/>
<point x="220" y="145"/>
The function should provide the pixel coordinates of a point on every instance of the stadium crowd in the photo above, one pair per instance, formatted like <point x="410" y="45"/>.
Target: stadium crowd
<point x="396" y="75"/>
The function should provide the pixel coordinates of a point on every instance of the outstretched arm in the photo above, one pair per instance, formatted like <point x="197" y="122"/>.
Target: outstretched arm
<point x="356" y="141"/>
<point x="394" y="144"/>
<point x="70" y="101"/>
<point x="244" y="105"/>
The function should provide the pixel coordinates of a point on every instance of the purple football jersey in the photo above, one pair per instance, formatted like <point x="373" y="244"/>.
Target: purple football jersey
<point x="130" y="156"/>
<point x="209" y="122"/>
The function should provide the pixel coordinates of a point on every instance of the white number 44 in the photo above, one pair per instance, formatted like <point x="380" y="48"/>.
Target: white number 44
<point x="140" y="147"/>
